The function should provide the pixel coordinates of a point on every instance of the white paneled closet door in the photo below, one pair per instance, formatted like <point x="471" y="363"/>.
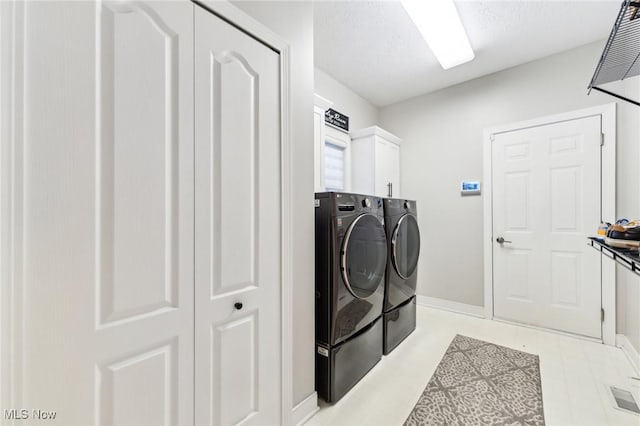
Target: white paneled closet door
<point x="144" y="213"/>
<point x="104" y="333"/>
<point x="238" y="229"/>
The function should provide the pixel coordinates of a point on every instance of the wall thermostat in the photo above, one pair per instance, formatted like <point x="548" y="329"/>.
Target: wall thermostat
<point x="470" y="188"/>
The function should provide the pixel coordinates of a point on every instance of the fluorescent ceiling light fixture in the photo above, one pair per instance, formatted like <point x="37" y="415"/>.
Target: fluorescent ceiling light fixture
<point x="440" y="25"/>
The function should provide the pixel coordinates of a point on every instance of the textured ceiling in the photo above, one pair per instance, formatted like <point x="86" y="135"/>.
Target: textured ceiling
<point x="374" y="48"/>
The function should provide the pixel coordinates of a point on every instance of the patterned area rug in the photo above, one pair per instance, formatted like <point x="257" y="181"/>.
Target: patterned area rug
<point x="479" y="383"/>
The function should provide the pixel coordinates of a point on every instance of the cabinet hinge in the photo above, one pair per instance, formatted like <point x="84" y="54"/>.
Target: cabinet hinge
<point x="601" y="314"/>
<point x="601" y="139"/>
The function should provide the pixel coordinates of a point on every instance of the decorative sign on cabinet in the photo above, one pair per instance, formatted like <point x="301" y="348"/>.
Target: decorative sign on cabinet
<point x="375" y="166"/>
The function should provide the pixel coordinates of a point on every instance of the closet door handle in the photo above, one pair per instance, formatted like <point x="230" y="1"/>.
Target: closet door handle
<point x="501" y="240"/>
<point x="237" y="305"/>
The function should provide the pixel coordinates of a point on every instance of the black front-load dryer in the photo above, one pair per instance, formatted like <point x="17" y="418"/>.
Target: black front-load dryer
<point x="403" y="239"/>
<point x="351" y="257"/>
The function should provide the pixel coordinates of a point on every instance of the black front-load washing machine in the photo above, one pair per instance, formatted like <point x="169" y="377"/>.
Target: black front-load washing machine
<point x="403" y="238"/>
<point x="351" y="257"/>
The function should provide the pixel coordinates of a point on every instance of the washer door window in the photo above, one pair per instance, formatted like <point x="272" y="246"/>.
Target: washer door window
<point x="405" y="246"/>
<point x="364" y="256"/>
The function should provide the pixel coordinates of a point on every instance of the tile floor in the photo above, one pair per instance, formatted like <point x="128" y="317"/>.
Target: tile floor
<point x="574" y="373"/>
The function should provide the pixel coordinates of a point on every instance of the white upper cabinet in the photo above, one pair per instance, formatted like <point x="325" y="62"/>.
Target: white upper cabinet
<point x="375" y="166"/>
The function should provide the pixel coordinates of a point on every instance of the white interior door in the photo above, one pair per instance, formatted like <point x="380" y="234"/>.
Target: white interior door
<point x="546" y="202"/>
<point x="105" y="332"/>
<point x="238" y="237"/>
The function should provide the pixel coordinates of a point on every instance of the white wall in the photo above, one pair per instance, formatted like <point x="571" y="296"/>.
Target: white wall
<point x="442" y="145"/>
<point x="361" y="112"/>
<point x="628" y="315"/>
<point x="628" y="283"/>
<point x="293" y="21"/>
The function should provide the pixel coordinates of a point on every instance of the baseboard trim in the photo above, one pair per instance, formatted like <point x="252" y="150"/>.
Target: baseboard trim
<point x="549" y="330"/>
<point x="634" y="357"/>
<point x="448" y="305"/>
<point x="305" y="409"/>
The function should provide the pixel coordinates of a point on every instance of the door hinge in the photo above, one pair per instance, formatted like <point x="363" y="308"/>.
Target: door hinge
<point x="601" y="314"/>
<point x="601" y="139"/>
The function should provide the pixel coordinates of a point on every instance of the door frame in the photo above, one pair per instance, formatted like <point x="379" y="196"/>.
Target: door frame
<point x="246" y="23"/>
<point x="320" y="106"/>
<point x="607" y="114"/>
<point x="11" y="201"/>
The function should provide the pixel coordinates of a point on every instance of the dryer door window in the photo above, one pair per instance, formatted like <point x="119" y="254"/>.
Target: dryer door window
<point x="364" y="256"/>
<point x="405" y="246"/>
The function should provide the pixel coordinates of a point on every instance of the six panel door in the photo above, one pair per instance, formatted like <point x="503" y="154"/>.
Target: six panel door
<point x="546" y="202"/>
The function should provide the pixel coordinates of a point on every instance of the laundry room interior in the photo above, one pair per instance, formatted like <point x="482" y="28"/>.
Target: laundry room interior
<point x="440" y="132"/>
<point x="320" y="212"/>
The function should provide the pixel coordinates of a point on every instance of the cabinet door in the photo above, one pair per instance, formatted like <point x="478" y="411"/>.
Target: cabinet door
<point x="387" y="168"/>
<point x="104" y="324"/>
<point x="238" y="238"/>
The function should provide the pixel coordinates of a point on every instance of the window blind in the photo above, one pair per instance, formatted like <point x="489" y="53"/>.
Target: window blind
<point x="334" y="167"/>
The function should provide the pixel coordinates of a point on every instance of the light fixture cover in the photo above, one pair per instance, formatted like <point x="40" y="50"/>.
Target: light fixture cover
<point x="439" y="23"/>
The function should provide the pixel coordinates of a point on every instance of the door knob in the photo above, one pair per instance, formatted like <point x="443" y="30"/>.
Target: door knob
<point x="237" y="305"/>
<point x="501" y="240"/>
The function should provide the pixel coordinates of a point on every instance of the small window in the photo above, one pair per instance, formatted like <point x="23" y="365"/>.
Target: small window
<point x="334" y="167"/>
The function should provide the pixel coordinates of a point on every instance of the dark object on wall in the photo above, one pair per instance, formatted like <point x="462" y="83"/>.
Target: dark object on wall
<point x="621" y="56"/>
<point x="635" y="11"/>
<point x="336" y="119"/>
